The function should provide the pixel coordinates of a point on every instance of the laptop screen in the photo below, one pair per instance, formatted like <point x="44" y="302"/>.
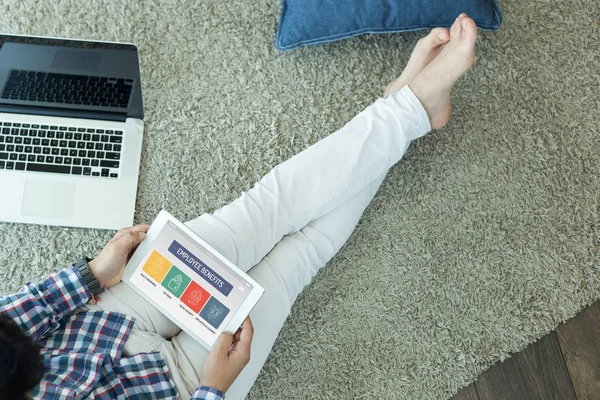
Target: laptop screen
<point x="70" y="43"/>
<point x="72" y="75"/>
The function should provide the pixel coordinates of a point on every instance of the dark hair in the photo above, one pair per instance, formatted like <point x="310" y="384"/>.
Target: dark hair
<point x="21" y="364"/>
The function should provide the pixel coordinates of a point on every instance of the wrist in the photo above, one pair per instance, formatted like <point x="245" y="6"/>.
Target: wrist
<point x="215" y="386"/>
<point x="92" y="266"/>
<point x="89" y="276"/>
<point x="205" y="390"/>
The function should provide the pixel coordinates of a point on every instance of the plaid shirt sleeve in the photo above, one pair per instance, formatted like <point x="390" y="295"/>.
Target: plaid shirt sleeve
<point x="206" y="393"/>
<point x="38" y="308"/>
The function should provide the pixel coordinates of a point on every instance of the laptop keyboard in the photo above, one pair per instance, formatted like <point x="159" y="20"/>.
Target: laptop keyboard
<point x="67" y="88"/>
<point x="60" y="149"/>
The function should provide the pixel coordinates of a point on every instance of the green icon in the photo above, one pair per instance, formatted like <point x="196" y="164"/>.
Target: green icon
<point x="176" y="281"/>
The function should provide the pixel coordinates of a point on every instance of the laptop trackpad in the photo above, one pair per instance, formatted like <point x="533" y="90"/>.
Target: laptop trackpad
<point x="48" y="199"/>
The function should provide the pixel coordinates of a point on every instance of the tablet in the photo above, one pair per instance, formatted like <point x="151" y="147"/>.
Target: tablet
<point x="190" y="282"/>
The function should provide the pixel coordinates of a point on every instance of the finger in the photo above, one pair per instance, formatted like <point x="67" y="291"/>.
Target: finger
<point x="223" y="342"/>
<point x="141" y="228"/>
<point x="133" y="237"/>
<point x="247" y="325"/>
<point x="118" y="235"/>
<point x="236" y="337"/>
<point x="243" y="345"/>
<point x="137" y="228"/>
<point x="129" y="242"/>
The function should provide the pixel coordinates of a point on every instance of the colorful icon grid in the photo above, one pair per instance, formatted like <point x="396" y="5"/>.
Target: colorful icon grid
<point x="180" y="285"/>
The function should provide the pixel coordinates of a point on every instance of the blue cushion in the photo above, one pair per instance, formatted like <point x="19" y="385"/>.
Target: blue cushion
<point x="305" y="22"/>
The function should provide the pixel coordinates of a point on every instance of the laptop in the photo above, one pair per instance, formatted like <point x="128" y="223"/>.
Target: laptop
<point x="71" y="130"/>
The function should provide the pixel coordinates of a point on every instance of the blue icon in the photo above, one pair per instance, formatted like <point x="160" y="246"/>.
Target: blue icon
<point x="214" y="312"/>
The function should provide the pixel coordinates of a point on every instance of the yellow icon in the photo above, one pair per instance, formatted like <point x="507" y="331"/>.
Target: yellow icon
<point x="156" y="266"/>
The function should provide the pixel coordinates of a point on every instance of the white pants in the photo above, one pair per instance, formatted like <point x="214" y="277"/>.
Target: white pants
<point x="283" y="230"/>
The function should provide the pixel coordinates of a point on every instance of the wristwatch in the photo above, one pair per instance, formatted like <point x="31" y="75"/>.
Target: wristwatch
<point x="88" y="277"/>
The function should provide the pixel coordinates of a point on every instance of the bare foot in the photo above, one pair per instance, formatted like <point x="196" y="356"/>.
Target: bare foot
<point x="426" y="49"/>
<point x="433" y="84"/>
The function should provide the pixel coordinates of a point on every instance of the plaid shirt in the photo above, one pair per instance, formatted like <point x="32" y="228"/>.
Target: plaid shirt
<point x="82" y="351"/>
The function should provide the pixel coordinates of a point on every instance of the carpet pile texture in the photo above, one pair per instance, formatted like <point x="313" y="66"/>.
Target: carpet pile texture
<point x="481" y="240"/>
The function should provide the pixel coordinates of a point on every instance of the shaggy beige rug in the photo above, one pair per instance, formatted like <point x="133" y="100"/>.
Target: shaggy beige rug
<point x="480" y="241"/>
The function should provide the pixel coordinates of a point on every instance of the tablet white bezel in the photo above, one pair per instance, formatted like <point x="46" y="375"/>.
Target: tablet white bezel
<point x="137" y="257"/>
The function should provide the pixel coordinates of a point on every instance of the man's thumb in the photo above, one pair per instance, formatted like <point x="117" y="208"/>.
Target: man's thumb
<point x="223" y="342"/>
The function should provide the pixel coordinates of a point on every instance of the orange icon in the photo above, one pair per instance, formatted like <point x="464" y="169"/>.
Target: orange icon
<point x="195" y="297"/>
<point x="157" y="266"/>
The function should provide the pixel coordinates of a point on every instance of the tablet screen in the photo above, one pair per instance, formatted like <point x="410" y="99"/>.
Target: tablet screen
<point x="190" y="282"/>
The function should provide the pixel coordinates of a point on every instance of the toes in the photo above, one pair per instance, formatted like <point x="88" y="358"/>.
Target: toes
<point x="435" y="38"/>
<point x="439" y="36"/>
<point x="456" y="28"/>
<point x="469" y="30"/>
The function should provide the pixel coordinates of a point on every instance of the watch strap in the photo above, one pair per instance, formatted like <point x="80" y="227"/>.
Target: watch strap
<point x="89" y="278"/>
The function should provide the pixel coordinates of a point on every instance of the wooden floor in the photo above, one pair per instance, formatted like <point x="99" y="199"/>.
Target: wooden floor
<point x="563" y="365"/>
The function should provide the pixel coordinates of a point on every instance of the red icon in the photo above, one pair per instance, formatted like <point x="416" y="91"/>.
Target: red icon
<point x="195" y="297"/>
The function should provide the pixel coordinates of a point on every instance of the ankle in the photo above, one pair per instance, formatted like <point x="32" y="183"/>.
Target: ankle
<point x="436" y="104"/>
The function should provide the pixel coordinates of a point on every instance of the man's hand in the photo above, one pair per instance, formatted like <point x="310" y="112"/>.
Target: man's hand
<point x="228" y="357"/>
<point x="108" y="267"/>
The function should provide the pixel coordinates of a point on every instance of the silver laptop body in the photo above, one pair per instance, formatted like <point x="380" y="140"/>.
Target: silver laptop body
<point x="71" y="131"/>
